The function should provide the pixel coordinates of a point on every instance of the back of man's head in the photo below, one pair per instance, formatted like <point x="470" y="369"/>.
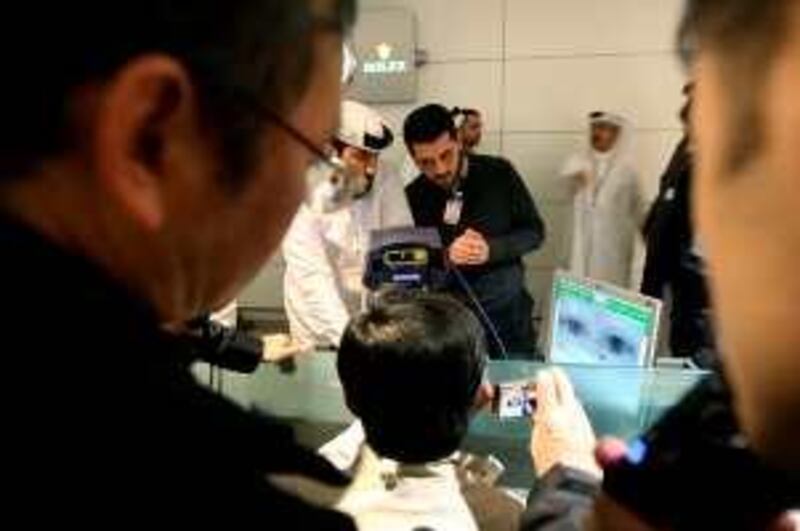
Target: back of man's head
<point x="411" y="369"/>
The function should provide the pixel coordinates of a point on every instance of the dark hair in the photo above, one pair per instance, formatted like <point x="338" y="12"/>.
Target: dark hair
<point x="458" y="111"/>
<point x="745" y="35"/>
<point x="411" y="368"/>
<point x="241" y="54"/>
<point x="427" y="124"/>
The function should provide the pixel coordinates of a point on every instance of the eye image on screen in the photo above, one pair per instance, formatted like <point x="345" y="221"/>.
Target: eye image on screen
<point x="593" y="327"/>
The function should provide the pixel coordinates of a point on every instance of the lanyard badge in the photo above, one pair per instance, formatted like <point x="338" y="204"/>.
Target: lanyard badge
<point x="453" y="208"/>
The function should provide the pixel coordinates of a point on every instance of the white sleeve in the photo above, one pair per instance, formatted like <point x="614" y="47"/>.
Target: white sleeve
<point x="408" y="170"/>
<point x="311" y="289"/>
<point x="574" y="165"/>
<point x="395" y="211"/>
<point x="227" y="316"/>
<point x="343" y="451"/>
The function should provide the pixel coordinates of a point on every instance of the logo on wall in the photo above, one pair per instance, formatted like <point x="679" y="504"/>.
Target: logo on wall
<point x="384" y="63"/>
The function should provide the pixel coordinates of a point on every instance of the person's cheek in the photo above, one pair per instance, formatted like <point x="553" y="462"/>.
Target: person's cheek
<point x="705" y="125"/>
<point x="453" y="169"/>
<point x="280" y="190"/>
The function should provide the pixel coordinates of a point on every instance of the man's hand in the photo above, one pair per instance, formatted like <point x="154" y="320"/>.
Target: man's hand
<point x="471" y="249"/>
<point x="562" y="434"/>
<point x="279" y="347"/>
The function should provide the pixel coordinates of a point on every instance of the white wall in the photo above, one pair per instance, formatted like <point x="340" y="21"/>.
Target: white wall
<point x="536" y="68"/>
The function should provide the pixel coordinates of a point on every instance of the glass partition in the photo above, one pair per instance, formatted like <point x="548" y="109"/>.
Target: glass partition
<point x="619" y="402"/>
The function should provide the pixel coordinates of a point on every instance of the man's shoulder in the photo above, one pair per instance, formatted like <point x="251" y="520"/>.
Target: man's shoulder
<point x="417" y="189"/>
<point x="483" y="158"/>
<point x="417" y="183"/>
<point x="490" y="164"/>
<point x="492" y="173"/>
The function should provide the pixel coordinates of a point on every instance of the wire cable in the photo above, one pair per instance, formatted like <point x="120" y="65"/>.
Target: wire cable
<point x="488" y="324"/>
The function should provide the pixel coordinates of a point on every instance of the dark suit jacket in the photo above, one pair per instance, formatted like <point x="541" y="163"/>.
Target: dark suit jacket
<point x="104" y="423"/>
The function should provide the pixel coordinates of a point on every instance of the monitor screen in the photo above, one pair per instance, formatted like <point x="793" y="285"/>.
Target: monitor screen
<point x="404" y="258"/>
<point x="596" y="323"/>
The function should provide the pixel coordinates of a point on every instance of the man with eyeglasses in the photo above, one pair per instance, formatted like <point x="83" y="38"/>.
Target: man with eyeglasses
<point x="487" y="219"/>
<point x="153" y="154"/>
<point x="325" y="249"/>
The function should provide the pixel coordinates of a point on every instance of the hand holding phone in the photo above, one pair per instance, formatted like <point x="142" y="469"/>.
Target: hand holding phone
<point x="562" y="434"/>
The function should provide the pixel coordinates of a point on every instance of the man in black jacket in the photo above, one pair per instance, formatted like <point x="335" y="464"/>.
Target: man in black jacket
<point x="673" y="263"/>
<point x="151" y="159"/>
<point x="488" y="222"/>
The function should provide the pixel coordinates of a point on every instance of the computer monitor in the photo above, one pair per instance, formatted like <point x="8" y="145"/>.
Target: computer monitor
<point x="404" y="258"/>
<point x="596" y="323"/>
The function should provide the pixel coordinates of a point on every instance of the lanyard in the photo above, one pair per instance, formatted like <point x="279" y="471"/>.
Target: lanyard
<point x="455" y="204"/>
<point x="453" y="209"/>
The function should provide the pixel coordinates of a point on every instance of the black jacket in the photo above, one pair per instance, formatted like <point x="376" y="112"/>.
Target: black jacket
<point x="673" y="263"/>
<point x="498" y="205"/>
<point x="104" y="423"/>
<point x="561" y="501"/>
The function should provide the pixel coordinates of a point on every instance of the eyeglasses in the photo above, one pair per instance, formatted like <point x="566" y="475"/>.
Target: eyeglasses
<point x="309" y="23"/>
<point x="318" y="152"/>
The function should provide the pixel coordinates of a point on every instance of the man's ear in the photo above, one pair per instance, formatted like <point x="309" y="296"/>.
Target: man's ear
<point x="147" y="104"/>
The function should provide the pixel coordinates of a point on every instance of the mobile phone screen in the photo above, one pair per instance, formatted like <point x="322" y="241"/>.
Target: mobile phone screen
<point x="514" y="400"/>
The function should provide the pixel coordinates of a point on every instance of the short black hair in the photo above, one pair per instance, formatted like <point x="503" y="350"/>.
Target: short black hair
<point x="240" y="54"/>
<point x="745" y="35"/>
<point x="460" y="111"/>
<point x="427" y="124"/>
<point x="411" y="368"/>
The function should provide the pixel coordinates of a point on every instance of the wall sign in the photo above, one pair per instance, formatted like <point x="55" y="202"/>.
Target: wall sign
<point x="385" y="43"/>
